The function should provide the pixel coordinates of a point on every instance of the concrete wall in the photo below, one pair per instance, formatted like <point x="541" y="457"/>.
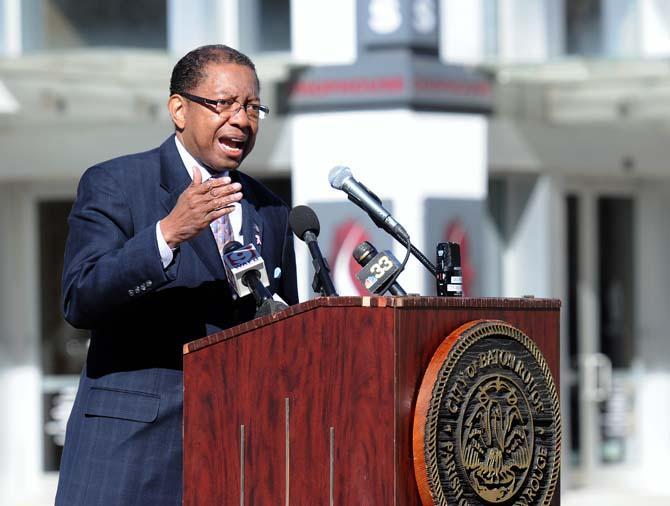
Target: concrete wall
<point x="652" y="337"/>
<point x="20" y="441"/>
<point x="323" y="33"/>
<point x="527" y="235"/>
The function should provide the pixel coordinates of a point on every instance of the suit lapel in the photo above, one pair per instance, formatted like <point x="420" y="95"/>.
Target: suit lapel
<point x="252" y="223"/>
<point x="174" y="180"/>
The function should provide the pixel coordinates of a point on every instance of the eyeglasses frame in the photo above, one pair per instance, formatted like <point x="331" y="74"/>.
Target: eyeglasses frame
<point x="263" y="110"/>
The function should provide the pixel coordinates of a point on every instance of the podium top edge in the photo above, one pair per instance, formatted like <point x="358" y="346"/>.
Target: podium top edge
<point x="407" y="302"/>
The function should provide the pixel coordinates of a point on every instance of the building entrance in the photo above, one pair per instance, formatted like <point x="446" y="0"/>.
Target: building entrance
<point x="63" y="348"/>
<point x="600" y="330"/>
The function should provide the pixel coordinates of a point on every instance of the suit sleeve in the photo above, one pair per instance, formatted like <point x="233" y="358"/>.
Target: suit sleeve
<point x="107" y="263"/>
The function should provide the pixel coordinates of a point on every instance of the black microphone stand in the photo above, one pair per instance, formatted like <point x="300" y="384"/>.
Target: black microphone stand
<point x="322" y="282"/>
<point x="399" y="235"/>
<point x="265" y="304"/>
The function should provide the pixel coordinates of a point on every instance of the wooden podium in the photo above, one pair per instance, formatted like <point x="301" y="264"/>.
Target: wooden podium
<point x="315" y="405"/>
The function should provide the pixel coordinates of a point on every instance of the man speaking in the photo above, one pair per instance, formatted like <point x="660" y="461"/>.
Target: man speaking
<point x="143" y="271"/>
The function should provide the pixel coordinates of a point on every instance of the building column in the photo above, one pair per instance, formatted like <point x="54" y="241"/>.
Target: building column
<point x="409" y="127"/>
<point x="526" y="30"/>
<point x="621" y="28"/>
<point x="654" y="28"/>
<point x="652" y="343"/>
<point x="429" y="168"/>
<point x="323" y="33"/>
<point x="10" y="27"/>
<point x="465" y="31"/>
<point x="193" y="23"/>
<point x="532" y="250"/>
<point x="20" y="379"/>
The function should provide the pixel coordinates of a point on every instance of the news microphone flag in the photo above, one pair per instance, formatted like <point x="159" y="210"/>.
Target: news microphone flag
<point x="240" y="261"/>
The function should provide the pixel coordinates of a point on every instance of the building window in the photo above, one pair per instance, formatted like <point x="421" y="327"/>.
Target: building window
<point x="280" y="186"/>
<point x="99" y="23"/>
<point x="583" y="27"/>
<point x="63" y="347"/>
<point x="275" y="25"/>
<point x="491" y="31"/>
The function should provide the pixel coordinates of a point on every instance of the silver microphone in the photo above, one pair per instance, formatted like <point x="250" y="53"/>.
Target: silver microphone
<point x="340" y="178"/>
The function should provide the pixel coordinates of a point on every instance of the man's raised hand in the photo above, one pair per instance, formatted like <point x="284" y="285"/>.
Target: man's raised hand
<point x="198" y="206"/>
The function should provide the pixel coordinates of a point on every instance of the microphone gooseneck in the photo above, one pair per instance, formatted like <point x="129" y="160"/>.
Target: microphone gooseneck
<point x="341" y="178"/>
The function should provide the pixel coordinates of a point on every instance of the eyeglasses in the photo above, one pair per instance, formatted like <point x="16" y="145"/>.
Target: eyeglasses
<point x="229" y="106"/>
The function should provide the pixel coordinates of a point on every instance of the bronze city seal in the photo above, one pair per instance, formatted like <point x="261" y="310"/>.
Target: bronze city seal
<point x="487" y="427"/>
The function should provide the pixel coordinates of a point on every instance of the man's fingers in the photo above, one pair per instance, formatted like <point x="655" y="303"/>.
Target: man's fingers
<point x="224" y="190"/>
<point x="220" y="181"/>
<point x="217" y="213"/>
<point x="197" y="176"/>
<point x="225" y="202"/>
<point x="210" y="186"/>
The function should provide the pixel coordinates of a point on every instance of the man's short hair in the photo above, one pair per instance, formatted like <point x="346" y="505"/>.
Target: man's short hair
<point x="190" y="69"/>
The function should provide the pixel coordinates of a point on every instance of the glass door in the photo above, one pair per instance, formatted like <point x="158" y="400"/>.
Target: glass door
<point x="600" y="304"/>
<point x="63" y="347"/>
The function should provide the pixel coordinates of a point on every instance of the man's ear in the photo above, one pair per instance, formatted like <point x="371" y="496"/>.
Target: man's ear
<point x="177" y="108"/>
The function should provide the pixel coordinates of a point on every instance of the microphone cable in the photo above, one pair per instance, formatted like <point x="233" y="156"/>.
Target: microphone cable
<point x="408" y="247"/>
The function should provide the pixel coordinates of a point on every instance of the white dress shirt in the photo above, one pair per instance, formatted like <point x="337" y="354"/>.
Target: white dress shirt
<point x="235" y="217"/>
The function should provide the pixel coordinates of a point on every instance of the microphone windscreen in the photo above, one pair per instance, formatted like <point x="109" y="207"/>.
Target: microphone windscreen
<point x="338" y="175"/>
<point x="303" y="219"/>
<point x="231" y="246"/>
<point x="364" y="252"/>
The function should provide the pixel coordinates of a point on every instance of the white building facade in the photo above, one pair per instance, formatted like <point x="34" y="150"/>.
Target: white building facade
<point x="568" y="175"/>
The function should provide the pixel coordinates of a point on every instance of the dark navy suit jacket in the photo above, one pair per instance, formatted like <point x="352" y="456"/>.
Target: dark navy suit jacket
<point x="124" y="438"/>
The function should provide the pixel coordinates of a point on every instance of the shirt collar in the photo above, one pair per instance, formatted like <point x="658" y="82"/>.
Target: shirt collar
<point x="190" y="163"/>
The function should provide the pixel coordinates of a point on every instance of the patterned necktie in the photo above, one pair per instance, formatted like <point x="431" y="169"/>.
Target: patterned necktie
<point x="223" y="232"/>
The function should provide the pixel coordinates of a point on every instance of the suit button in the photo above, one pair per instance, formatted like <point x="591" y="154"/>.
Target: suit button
<point x="149" y="283"/>
<point x="131" y="293"/>
<point x="137" y="289"/>
<point x="143" y="287"/>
